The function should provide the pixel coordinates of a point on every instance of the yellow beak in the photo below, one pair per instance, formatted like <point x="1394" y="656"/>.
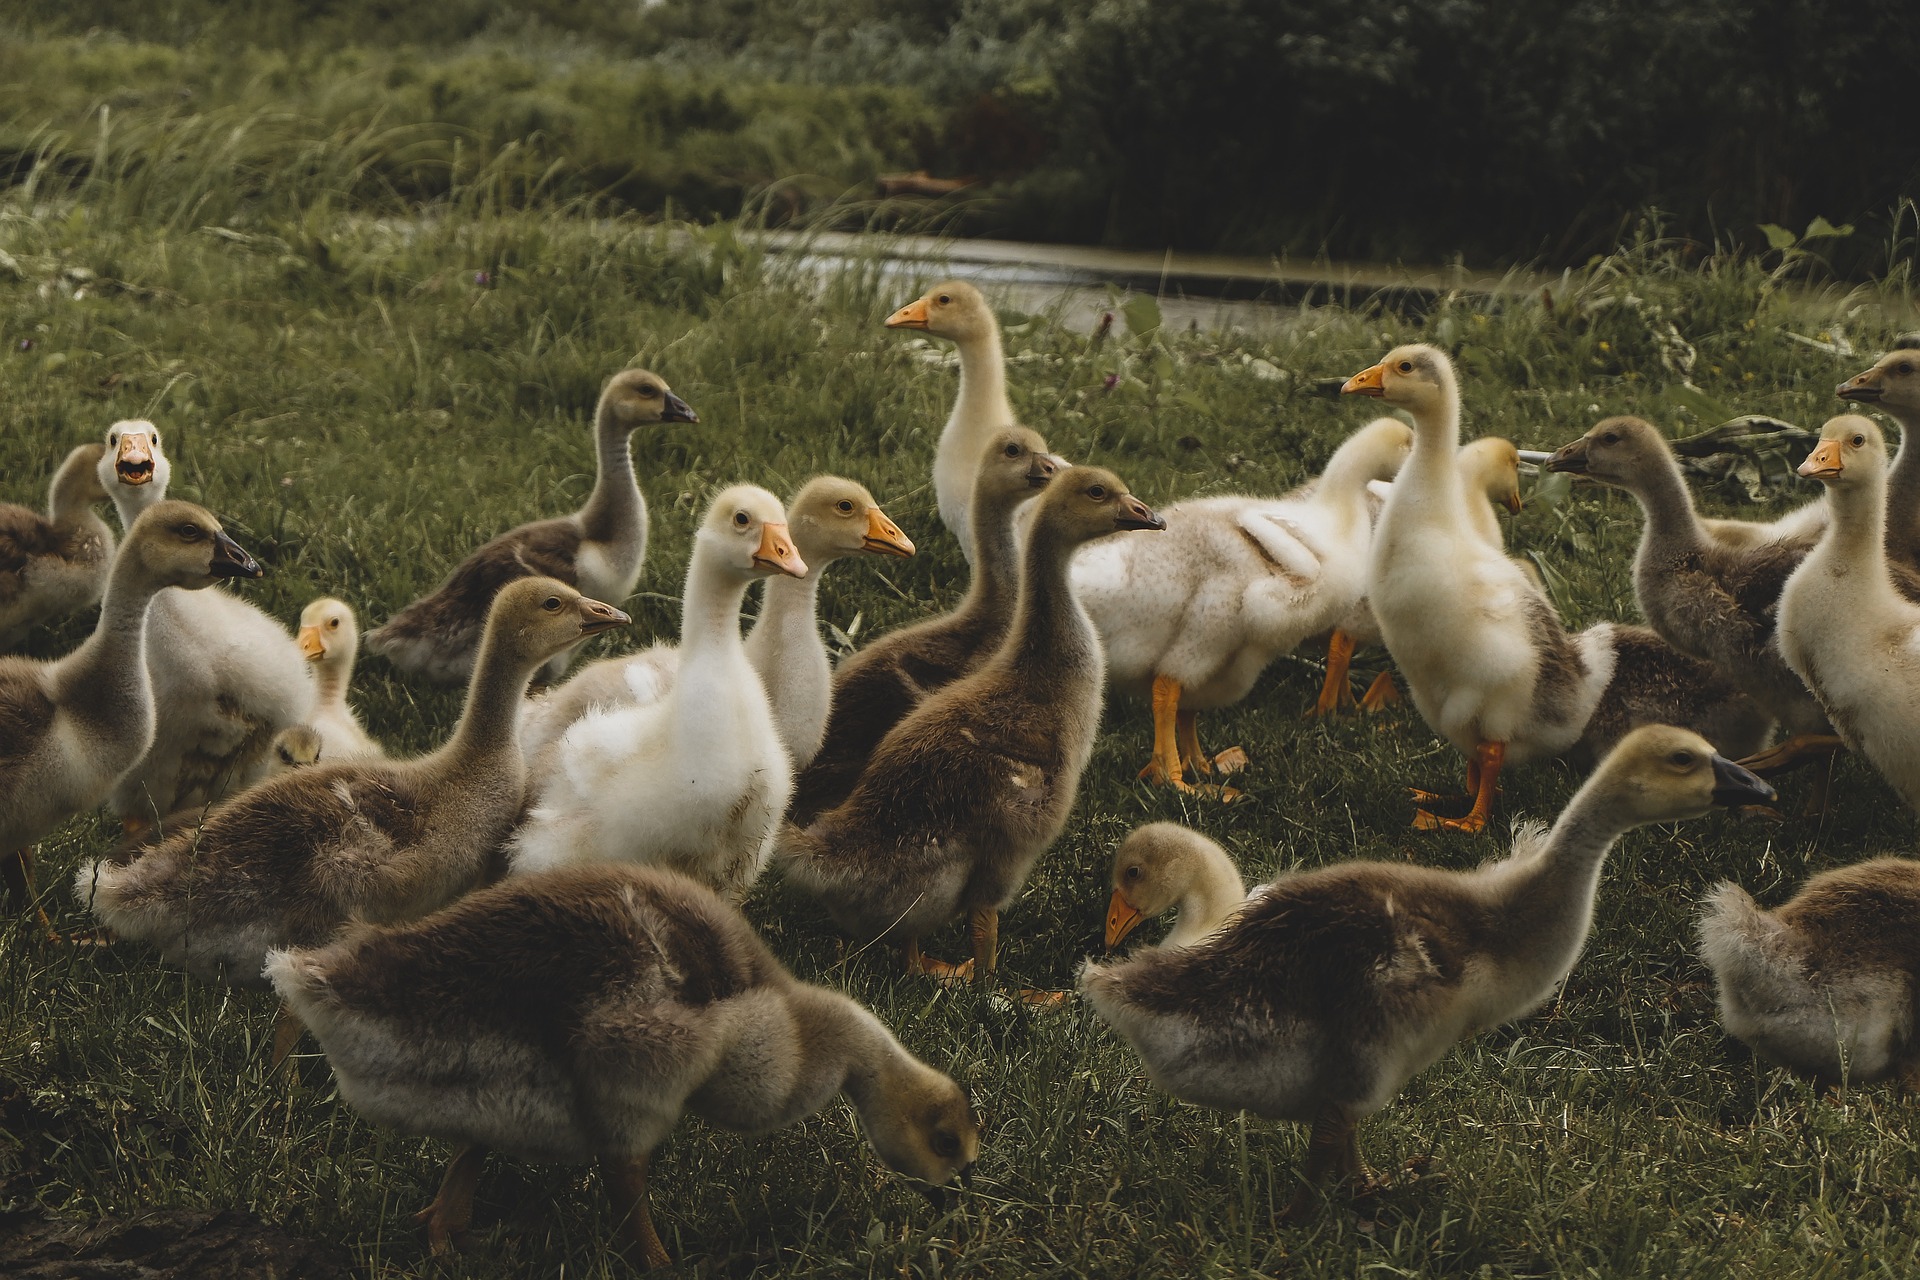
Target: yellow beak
<point x="1122" y="919"/>
<point x="777" y="553"/>
<point x="1367" y="382"/>
<point x="311" y="644"/>
<point x="1824" y="463"/>
<point x="911" y="316"/>
<point x="884" y="536"/>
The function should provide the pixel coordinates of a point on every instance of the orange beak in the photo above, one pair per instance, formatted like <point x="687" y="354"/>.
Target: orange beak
<point x="776" y="552"/>
<point x="1512" y="501"/>
<point x="1122" y="919"/>
<point x="134" y="462"/>
<point x="911" y="316"/>
<point x="311" y="644"/>
<point x="1367" y="382"/>
<point x="884" y="536"/>
<point x="1824" y="463"/>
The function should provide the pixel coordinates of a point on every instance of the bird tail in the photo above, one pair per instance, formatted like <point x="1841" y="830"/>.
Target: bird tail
<point x="1752" y="954"/>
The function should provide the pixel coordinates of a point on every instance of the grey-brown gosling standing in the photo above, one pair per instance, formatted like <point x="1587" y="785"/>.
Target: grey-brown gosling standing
<point x="69" y="727"/>
<point x="963" y="794"/>
<point x="598" y="549"/>
<point x="287" y="862"/>
<point x="876" y="687"/>
<point x="1826" y="984"/>
<point x="574" y="1015"/>
<point x="1163" y="866"/>
<point x="1331" y="988"/>
<point x="56" y="564"/>
<point x="830" y="518"/>
<point x="1892" y="385"/>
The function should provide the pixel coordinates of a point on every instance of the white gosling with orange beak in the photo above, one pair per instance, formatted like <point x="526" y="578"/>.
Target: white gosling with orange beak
<point x="1843" y="628"/>
<point x="1164" y="866"/>
<point x="696" y="780"/>
<point x="329" y="638"/>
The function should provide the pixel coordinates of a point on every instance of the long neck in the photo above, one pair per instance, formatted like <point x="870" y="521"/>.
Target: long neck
<point x="1431" y="474"/>
<point x="615" y="503"/>
<point x="109" y="669"/>
<point x="983" y="384"/>
<point x="1662" y="494"/>
<point x="870" y="1063"/>
<point x="330" y="677"/>
<point x="488" y="734"/>
<point x="709" y="613"/>
<point x="1343" y="482"/>
<point x="1855" y="545"/>
<point x="1549" y="901"/>
<point x="129" y="500"/>
<point x="1215" y="891"/>
<point x="787" y="622"/>
<point x="996" y="558"/>
<point x="1049" y="631"/>
<point x="75" y="490"/>
<point x="1903" y="485"/>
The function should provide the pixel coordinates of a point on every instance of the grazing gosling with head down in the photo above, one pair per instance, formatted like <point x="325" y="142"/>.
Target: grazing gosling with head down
<point x="1164" y="865"/>
<point x="697" y="779"/>
<point x="876" y="687"/>
<point x="1330" y="989"/>
<point x="964" y="794"/>
<point x="598" y="549"/>
<point x="330" y="638"/>
<point x="957" y="311"/>
<point x="830" y="519"/>
<point x="574" y="1015"/>
<point x="1826" y="984"/>
<point x="69" y="727"/>
<point x="56" y="564"/>
<point x="288" y="862"/>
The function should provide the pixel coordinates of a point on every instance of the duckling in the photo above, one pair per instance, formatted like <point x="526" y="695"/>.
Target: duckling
<point x="69" y="727"/>
<point x="1331" y="988"/>
<point x="572" y="1016"/>
<point x="963" y="794"/>
<point x="1824" y="985"/>
<point x="288" y="862"/>
<point x="957" y="311"/>
<point x="330" y="639"/>
<point x="875" y="687"/>
<point x="598" y="548"/>
<point x="697" y="779"/>
<point x="56" y="564"/>
<point x="1164" y="865"/>
<point x="1845" y="629"/>
<point x="226" y="677"/>
<point x="1485" y="657"/>
<point x="297" y="746"/>
<point x="1192" y="619"/>
<point x="1489" y="466"/>
<point x="830" y="518"/>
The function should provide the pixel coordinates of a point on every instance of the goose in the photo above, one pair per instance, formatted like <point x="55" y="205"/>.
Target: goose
<point x="226" y="677"/>
<point x="573" y="1016"/>
<point x="598" y="548"/>
<point x="70" y="726"/>
<point x="289" y="861"/>
<point x="957" y="311"/>
<point x="830" y="518"/>
<point x="56" y="564"/>
<point x="1190" y="620"/>
<point x="1331" y="988"/>
<point x="1489" y="466"/>
<point x="697" y="779"/>
<point x="330" y="638"/>
<point x="1845" y="629"/>
<point x="964" y="794"/>
<point x="1824" y="985"/>
<point x="875" y="687"/>
<point x="1486" y="660"/>
<point x="1163" y="866"/>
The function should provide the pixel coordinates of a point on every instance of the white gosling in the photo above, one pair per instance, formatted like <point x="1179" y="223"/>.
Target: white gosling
<point x="329" y="636"/>
<point x="1164" y="866"/>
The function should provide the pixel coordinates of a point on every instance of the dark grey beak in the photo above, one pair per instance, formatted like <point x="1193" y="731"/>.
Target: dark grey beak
<point x="1040" y="474"/>
<point x="1734" y="786"/>
<point x="939" y="1197"/>
<point x="677" y="410"/>
<point x="1135" y="514"/>
<point x="1571" y="458"/>
<point x="230" y="561"/>
<point x="966" y="1177"/>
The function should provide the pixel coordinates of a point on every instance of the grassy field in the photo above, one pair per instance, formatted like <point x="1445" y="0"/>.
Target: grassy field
<point x="364" y="401"/>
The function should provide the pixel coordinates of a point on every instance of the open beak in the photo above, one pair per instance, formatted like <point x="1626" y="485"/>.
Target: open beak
<point x="596" y="617"/>
<point x="311" y="644"/>
<point x="1122" y="919"/>
<point x="1824" y="463"/>
<point x="677" y="410"/>
<point x="1367" y="382"/>
<point x="1041" y="473"/>
<point x="1734" y="786"/>
<point x="230" y="561"/>
<point x="1135" y="514"/>
<point x="884" y="536"/>
<point x="1860" y="388"/>
<point x="911" y="316"/>
<point x="134" y="462"/>
<point x="1570" y="458"/>
<point x="776" y="552"/>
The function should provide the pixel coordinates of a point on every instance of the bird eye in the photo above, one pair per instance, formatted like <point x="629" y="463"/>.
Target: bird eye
<point x="649" y="390"/>
<point x="333" y="624"/>
<point x="1859" y="440"/>
<point x="844" y="506"/>
<point x="1612" y="437"/>
<point x="946" y="1145"/>
<point x="190" y="532"/>
<point x="1406" y="366"/>
<point x="1013" y="451"/>
<point x="1097" y="492"/>
<point x="551" y="604"/>
<point x="741" y="519"/>
<point x="1681" y="759"/>
<point x="1133" y="872"/>
<point x="1905" y="366"/>
<point x="944" y="299"/>
<point x="113" y="437"/>
<point x="156" y="439"/>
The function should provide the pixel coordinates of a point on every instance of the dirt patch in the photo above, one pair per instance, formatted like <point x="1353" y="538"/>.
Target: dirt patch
<point x="165" y="1245"/>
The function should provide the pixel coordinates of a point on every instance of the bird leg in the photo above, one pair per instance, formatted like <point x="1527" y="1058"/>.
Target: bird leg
<point x="1333" y="1156"/>
<point x="1483" y="783"/>
<point x="1165" y="764"/>
<point x="984" y="924"/>
<point x="451" y="1212"/>
<point x="287" y="1030"/>
<point x="627" y="1187"/>
<point x="1336" y="694"/>
<point x="918" y="961"/>
<point x="1381" y="694"/>
<point x="16" y="872"/>
<point x="1186" y="735"/>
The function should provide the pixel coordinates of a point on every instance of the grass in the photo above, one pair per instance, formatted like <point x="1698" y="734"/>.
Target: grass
<point x="363" y="401"/>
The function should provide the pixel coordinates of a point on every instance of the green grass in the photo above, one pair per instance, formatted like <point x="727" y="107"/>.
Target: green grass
<point x="363" y="412"/>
